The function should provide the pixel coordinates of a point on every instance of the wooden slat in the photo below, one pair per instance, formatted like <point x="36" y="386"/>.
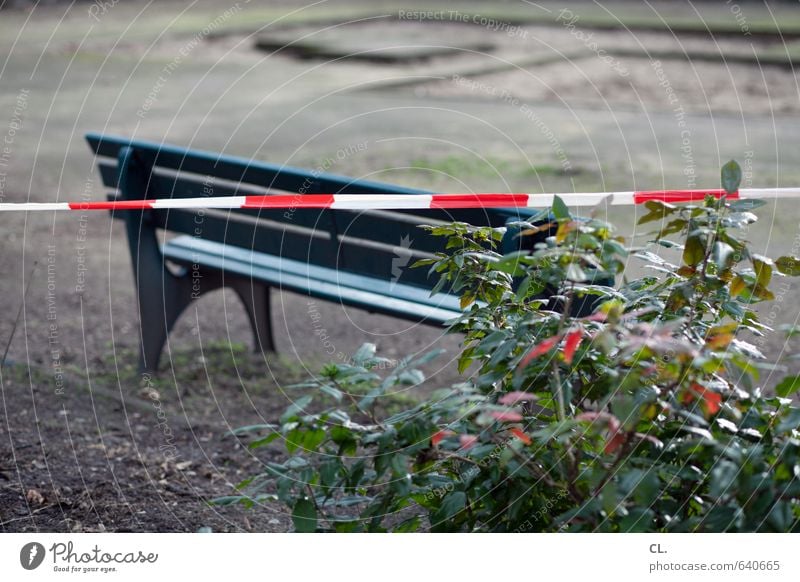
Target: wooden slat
<point x="256" y="236"/>
<point x="240" y="169"/>
<point x="375" y="295"/>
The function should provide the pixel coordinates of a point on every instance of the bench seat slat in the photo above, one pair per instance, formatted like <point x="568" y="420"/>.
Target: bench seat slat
<point x="406" y="301"/>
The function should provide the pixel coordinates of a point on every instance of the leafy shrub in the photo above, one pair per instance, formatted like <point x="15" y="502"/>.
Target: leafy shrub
<point x="643" y="416"/>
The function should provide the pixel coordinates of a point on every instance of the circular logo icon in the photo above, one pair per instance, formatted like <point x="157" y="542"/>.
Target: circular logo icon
<point x="31" y="555"/>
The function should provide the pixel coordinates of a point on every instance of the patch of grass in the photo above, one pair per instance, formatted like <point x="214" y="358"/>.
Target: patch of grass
<point x="221" y="364"/>
<point x="461" y="167"/>
<point x="23" y="374"/>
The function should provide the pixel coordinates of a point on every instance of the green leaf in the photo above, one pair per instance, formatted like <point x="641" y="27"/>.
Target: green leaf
<point x="466" y="300"/>
<point x="610" y="497"/>
<point x="780" y="516"/>
<point x="790" y="422"/>
<point x="264" y="441"/>
<point x="349" y="526"/>
<point x="331" y="390"/>
<point x="328" y="472"/>
<point x="761" y="292"/>
<point x="658" y="211"/>
<point x="304" y="516"/>
<point x="648" y="489"/>
<point x="723" y="255"/>
<point x="694" y="251"/>
<point x="511" y="263"/>
<point x="295" y="463"/>
<point x="364" y="353"/>
<point x="731" y="177"/>
<point x="423" y="263"/>
<point x="737" y="286"/>
<point x="638" y="520"/>
<point x="296" y="407"/>
<point x="723" y="476"/>
<point x="312" y="439"/>
<point x="411" y="377"/>
<point x="575" y="273"/>
<point x="408" y="525"/>
<point x="763" y="268"/>
<point x="788" y="266"/>
<point x="453" y="503"/>
<point x="788" y="386"/>
<point x="672" y="227"/>
<point x="524" y="287"/>
<point x="560" y="209"/>
<point x="744" y="205"/>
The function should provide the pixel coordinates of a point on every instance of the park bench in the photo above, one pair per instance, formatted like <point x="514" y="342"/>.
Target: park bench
<point x="355" y="258"/>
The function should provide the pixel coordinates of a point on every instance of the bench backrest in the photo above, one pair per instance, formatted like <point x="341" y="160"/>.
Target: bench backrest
<point x="381" y="244"/>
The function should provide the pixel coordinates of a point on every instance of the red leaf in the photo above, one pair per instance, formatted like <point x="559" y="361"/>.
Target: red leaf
<point x="544" y="347"/>
<point x="616" y="437"/>
<point x="712" y="401"/>
<point x="506" y="416"/>
<point x="521" y="435"/>
<point x="609" y="419"/>
<point x="467" y="441"/>
<point x="440" y="436"/>
<point x="615" y="441"/>
<point x="510" y="398"/>
<point x="590" y="416"/>
<point x="571" y="344"/>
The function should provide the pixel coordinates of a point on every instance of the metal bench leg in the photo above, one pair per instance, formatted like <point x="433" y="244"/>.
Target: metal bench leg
<point x="256" y="299"/>
<point x="161" y="295"/>
<point x="162" y="298"/>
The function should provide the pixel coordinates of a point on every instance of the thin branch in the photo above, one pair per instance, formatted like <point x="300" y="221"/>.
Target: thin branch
<point x="19" y="314"/>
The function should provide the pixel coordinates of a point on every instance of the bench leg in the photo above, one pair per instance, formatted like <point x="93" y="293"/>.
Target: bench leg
<point x="161" y="295"/>
<point x="162" y="298"/>
<point x="256" y="299"/>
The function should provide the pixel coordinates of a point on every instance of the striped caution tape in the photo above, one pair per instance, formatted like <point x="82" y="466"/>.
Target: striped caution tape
<point x="402" y="201"/>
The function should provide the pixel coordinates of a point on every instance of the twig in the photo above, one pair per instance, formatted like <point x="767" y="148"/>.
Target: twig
<point x="19" y="314"/>
<point x="623" y="451"/>
<point x="562" y="408"/>
<point x="31" y="514"/>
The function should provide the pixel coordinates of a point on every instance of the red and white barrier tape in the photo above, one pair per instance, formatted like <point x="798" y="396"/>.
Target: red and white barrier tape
<point x="402" y="201"/>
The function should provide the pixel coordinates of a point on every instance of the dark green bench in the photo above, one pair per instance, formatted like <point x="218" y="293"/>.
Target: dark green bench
<point x="349" y="257"/>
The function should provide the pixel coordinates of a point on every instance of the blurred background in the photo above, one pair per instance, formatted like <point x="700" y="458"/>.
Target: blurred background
<point x="457" y="96"/>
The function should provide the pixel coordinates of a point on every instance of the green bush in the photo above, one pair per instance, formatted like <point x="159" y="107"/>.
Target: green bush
<point x="644" y="416"/>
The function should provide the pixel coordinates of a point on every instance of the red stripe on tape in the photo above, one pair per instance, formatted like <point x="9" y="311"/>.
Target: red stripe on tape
<point x="679" y="195"/>
<point x="113" y="205"/>
<point x="478" y="200"/>
<point x="289" y="202"/>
